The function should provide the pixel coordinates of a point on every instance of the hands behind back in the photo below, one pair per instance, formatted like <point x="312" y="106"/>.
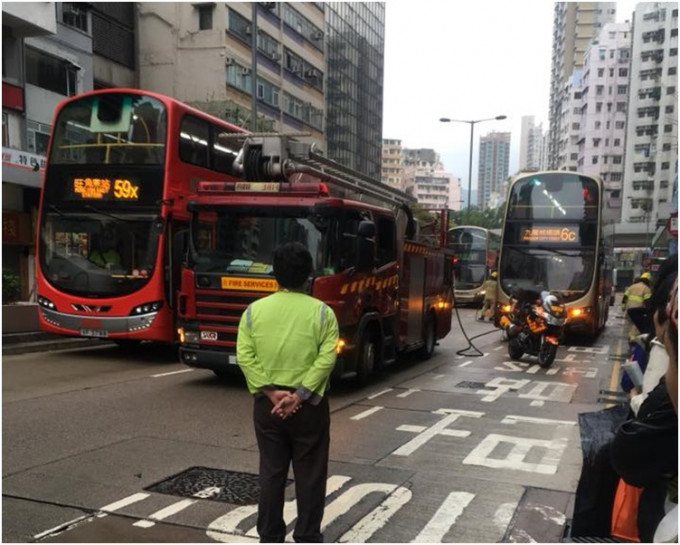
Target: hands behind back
<point x="285" y="403"/>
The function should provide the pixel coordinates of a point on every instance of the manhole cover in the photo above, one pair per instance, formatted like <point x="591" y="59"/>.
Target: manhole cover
<point x="212" y="484"/>
<point x="472" y="385"/>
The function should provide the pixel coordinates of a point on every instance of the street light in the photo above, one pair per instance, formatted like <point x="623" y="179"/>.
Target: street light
<point x="472" y="133"/>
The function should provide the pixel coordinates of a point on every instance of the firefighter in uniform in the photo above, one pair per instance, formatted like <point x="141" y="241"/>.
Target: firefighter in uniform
<point x="635" y="296"/>
<point x="489" y="288"/>
<point x="286" y="350"/>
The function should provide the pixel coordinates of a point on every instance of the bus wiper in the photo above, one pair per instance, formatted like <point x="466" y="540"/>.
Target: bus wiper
<point x="52" y="207"/>
<point x="94" y="209"/>
<point x="554" y="251"/>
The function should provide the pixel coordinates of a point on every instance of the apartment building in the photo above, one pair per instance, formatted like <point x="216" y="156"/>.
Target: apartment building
<point x="603" y="111"/>
<point x="575" y="25"/>
<point x="392" y="171"/>
<point x="425" y="178"/>
<point x="302" y="67"/>
<point x="651" y="152"/>
<point x="238" y="58"/>
<point x="492" y="172"/>
<point x="533" y="146"/>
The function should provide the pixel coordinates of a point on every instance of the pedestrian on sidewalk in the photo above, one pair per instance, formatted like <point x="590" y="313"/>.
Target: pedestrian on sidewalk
<point x="286" y="349"/>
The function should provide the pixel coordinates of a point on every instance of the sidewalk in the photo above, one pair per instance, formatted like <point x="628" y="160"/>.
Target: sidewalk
<point x="40" y="341"/>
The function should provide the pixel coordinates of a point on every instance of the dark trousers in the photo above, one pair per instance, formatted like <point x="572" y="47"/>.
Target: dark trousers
<point x="303" y="439"/>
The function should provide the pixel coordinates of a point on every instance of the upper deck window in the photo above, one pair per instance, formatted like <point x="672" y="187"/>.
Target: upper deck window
<point x="111" y="128"/>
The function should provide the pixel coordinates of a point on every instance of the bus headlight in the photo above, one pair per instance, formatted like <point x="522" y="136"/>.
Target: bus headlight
<point x="146" y="308"/>
<point x="45" y="302"/>
<point x="579" y="312"/>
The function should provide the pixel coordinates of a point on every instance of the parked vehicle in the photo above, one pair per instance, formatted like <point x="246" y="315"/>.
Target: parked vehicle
<point x="387" y="278"/>
<point x="534" y="325"/>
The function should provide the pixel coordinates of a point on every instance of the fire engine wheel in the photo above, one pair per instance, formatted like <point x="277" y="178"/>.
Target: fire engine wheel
<point x="546" y="353"/>
<point x="429" y="339"/>
<point x="366" y="358"/>
<point x="515" y="349"/>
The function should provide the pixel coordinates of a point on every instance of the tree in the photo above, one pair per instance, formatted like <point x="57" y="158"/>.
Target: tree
<point x="489" y="218"/>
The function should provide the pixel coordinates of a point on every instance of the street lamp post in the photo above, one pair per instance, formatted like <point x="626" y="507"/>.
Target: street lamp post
<point x="472" y="136"/>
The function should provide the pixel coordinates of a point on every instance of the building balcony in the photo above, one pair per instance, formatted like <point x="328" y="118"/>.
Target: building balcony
<point x="29" y="18"/>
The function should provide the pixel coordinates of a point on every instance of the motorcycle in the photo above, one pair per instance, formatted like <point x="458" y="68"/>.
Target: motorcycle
<point x="534" y="325"/>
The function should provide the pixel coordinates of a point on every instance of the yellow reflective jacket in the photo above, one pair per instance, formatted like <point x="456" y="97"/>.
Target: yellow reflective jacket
<point x="636" y="295"/>
<point x="287" y="339"/>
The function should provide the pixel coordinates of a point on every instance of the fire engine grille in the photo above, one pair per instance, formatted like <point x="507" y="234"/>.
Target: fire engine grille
<point x="212" y="484"/>
<point x="222" y="311"/>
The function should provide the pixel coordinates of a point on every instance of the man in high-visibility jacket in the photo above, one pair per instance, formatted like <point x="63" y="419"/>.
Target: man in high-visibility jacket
<point x="635" y="296"/>
<point x="286" y="350"/>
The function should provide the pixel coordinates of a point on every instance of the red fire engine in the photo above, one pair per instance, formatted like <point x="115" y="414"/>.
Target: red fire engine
<point x="389" y="283"/>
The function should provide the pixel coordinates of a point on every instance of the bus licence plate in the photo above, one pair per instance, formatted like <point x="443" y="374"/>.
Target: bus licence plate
<point x="94" y="333"/>
<point x="208" y="335"/>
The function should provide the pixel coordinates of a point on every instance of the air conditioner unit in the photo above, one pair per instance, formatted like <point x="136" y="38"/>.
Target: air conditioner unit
<point x="276" y="56"/>
<point x="249" y="30"/>
<point x="229" y="61"/>
<point x="245" y="71"/>
<point x="317" y="35"/>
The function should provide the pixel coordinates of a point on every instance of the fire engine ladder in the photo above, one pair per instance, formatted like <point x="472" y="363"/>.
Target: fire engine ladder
<point x="277" y="157"/>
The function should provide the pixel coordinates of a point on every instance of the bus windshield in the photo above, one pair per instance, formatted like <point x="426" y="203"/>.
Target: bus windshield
<point x="110" y="128"/>
<point x="242" y="240"/>
<point x="94" y="254"/>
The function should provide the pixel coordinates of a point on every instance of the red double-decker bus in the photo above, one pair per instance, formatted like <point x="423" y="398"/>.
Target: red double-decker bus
<point x="113" y="223"/>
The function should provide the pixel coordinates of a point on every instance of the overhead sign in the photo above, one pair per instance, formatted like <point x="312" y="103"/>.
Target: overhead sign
<point x="105" y="189"/>
<point x="548" y="234"/>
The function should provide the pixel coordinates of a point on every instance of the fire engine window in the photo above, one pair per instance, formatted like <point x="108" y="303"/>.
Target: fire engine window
<point x="386" y="244"/>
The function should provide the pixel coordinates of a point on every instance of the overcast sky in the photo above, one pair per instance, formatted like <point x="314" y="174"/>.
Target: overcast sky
<point x="467" y="60"/>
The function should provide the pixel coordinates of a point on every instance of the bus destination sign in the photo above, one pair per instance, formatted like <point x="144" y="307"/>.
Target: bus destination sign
<point x="548" y="234"/>
<point x="105" y="189"/>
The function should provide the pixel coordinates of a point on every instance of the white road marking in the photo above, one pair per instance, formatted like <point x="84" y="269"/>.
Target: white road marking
<point x="445" y="517"/>
<point x="172" y="373"/>
<point x="124" y="502"/>
<point x="498" y="348"/>
<point x="537" y="403"/>
<point x="501" y="385"/>
<point x="550" y="391"/>
<point x="409" y="392"/>
<point x="440" y="428"/>
<point x="465" y="363"/>
<point x="519" y="450"/>
<point x="362" y="531"/>
<point x="514" y="418"/>
<point x="164" y="513"/>
<point x="101" y="513"/>
<point x="366" y="413"/>
<point x="378" y="394"/>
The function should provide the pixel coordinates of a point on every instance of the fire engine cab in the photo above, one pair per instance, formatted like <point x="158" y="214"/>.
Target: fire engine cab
<point x="387" y="280"/>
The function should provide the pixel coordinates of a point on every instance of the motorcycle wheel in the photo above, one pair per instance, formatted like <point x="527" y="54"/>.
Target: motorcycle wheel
<point x="515" y="349"/>
<point x="546" y="353"/>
